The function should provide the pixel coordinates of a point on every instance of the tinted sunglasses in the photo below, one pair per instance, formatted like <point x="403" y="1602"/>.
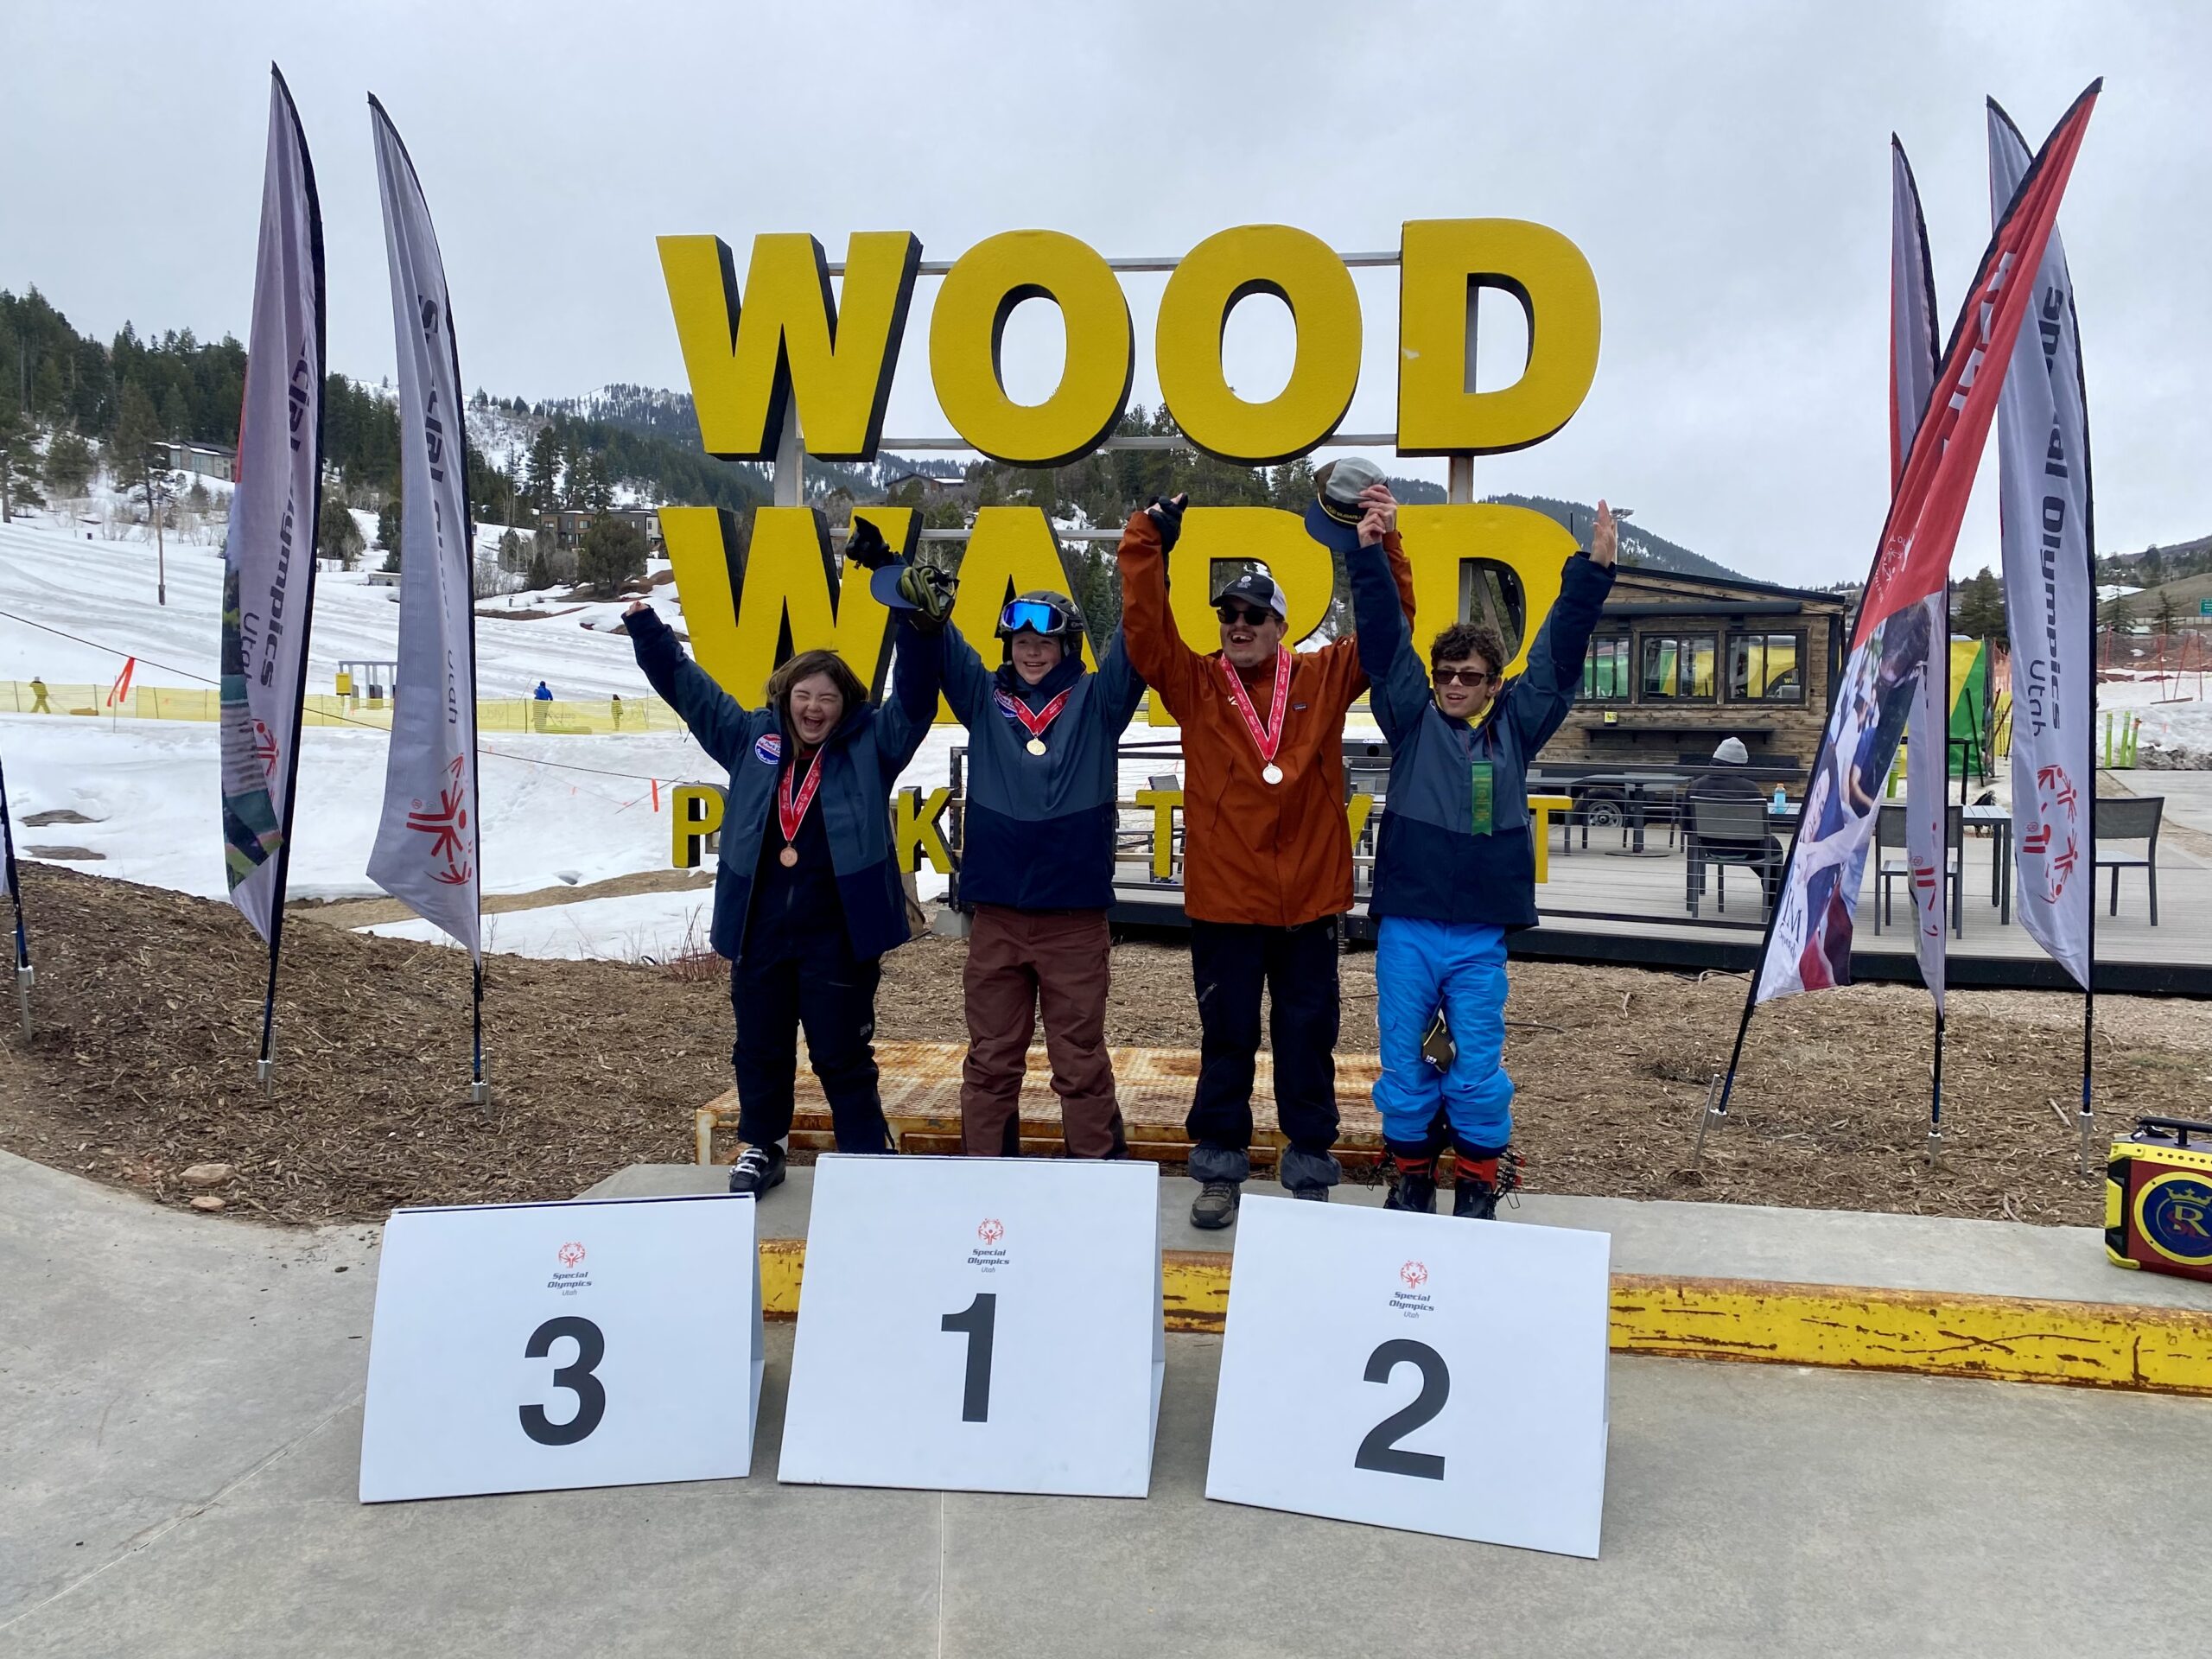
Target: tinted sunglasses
<point x="1466" y="677"/>
<point x="1229" y="611"/>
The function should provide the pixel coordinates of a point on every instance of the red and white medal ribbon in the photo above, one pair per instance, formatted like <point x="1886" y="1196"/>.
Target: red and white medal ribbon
<point x="1269" y="738"/>
<point x="790" y="813"/>
<point x="1038" y="723"/>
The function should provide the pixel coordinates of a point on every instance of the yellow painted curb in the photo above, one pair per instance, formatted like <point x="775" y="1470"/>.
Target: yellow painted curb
<point x="1997" y="1338"/>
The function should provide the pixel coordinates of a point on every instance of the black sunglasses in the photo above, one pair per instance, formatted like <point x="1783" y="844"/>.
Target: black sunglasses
<point x="1467" y="677"/>
<point x="1246" y="613"/>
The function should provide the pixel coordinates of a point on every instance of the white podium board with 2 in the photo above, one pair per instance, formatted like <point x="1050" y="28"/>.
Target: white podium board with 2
<point x="979" y="1324"/>
<point x="1420" y="1372"/>
<point x="533" y="1346"/>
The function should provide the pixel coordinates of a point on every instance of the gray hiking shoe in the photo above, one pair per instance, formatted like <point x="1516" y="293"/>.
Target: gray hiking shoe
<point x="1215" y="1207"/>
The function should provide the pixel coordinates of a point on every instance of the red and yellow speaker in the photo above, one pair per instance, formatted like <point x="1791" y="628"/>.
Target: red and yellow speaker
<point x="2158" y="1199"/>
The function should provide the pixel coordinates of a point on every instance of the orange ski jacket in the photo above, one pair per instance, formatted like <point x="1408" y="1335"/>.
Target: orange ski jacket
<point x="1270" y="854"/>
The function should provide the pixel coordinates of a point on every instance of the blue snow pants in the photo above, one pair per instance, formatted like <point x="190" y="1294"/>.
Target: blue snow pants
<point x="1461" y="967"/>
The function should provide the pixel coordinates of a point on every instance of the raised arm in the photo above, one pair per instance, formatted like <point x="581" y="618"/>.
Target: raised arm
<point x="1120" y="688"/>
<point x="1540" y="699"/>
<point x="720" y="722"/>
<point x="1387" y="657"/>
<point x="916" y="674"/>
<point x="968" y="683"/>
<point x="1155" y="647"/>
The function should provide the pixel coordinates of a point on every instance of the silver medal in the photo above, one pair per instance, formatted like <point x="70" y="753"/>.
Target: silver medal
<point x="1272" y="772"/>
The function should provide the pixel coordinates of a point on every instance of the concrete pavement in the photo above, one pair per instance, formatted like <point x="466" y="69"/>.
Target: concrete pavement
<point x="180" y="1430"/>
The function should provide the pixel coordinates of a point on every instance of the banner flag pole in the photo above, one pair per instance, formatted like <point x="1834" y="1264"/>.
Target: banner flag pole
<point x="428" y="849"/>
<point x="279" y="479"/>
<point x="2048" y="510"/>
<point x="1887" y="666"/>
<point x="24" y="975"/>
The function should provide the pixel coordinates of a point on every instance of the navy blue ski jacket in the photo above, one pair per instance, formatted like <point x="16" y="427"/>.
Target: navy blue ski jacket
<point x="862" y="759"/>
<point x="1039" y="831"/>
<point x="1429" y="862"/>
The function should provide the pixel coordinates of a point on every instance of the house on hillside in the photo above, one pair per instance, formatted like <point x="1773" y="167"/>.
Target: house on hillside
<point x="562" y="532"/>
<point x="217" y="461"/>
<point x="1678" y="663"/>
<point x="927" y="485"/>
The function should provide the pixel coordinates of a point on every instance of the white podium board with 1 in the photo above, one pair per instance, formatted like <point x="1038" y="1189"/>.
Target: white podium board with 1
<point x="1421" y="1372"/>
<point x="532" y="1346"/>
<point x="980" y="1323"/>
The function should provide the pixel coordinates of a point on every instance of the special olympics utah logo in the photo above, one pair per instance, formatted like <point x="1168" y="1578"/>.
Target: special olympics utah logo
<point x="572" y="1254"/>
<point x="1415" y="1273"/>
<point x="991" y="1231"/>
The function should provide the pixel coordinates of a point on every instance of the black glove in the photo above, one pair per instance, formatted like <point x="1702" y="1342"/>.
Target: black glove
<point x="865" y="546"/>
<point x="1167" y="515"/>
<point x="930" y="592"/>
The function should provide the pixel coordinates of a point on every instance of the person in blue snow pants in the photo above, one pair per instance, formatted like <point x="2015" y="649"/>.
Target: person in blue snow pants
<point x="1454" y="863"/>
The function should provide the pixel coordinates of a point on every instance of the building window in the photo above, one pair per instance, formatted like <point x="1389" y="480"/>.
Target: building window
<point x="1606" y="671"/>
<point x="1678" y="668"/>
<point x="1766" y="668"/>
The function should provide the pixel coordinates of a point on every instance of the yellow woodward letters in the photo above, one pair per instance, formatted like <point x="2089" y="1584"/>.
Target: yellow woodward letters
<point x="1441" y="262"/>
<point x="1298" y="269"/>
<point x="790" y="340"/>
<point x="968" y="321"/>
<point x="746" y="611"/>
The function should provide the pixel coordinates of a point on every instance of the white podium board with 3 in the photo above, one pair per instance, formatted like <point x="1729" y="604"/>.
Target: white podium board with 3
<point x="1416" y="1371"/>
<point x="531" y="1346"/>
<point x="979" y="1324"/>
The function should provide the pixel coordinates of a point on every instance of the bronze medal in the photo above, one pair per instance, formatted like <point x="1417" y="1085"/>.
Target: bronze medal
<point x="788" y="858"/>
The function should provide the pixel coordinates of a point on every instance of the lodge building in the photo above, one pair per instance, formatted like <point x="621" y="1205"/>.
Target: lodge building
<point x="1678" y="663"/>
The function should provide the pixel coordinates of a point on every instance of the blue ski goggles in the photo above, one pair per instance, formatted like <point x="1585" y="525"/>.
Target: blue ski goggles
<point x="1034" y="615"/>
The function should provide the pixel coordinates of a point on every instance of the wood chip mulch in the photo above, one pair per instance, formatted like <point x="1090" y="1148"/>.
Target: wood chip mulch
<point x="147" y="1009"/>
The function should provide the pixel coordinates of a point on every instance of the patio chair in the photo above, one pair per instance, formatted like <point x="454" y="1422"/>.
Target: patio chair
<point x="1890" y="837"/>
<point x="1721" y="833"/>
<point x="2132" y="818"/>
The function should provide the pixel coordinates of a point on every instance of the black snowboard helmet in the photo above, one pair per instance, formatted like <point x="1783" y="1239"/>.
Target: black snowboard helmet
<point x="1041" y="611"/>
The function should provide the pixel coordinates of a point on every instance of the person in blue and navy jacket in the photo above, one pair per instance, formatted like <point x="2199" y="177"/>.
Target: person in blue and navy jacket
<point x="1455" y="867"/>
<point x="807" y="897"/>
<point x="1036" y="866"/>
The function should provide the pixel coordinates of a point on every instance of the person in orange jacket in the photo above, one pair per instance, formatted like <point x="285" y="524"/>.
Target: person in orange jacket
<point x="1267" y="851"/>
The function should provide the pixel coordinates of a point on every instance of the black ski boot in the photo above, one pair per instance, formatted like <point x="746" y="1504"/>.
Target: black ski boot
<point x="1413" y="1185"/>
<point x="1485" y="1177"/>
<point x="757" y="1169"/>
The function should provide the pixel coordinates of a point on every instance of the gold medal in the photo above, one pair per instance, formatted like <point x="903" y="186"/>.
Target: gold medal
<point x="788" y="858"/>
<point x="1272" y="772"/>
<point x="1035" y="745"/>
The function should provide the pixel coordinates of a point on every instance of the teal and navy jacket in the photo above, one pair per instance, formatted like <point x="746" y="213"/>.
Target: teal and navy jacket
<point x="1038" y="832"/>
<point x="1429" y="862"/>
<point x="862" y="759"/>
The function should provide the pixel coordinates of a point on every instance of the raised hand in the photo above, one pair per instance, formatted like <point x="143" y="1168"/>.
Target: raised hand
<point x="1605" y="536"/>
<point x="1381" y="514"/>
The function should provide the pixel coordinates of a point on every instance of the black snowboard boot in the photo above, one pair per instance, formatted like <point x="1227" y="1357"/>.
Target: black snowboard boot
<point x="757" y="1169"/>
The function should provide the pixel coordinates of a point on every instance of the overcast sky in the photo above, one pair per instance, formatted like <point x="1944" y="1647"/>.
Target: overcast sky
<point x="1725" y="168"/>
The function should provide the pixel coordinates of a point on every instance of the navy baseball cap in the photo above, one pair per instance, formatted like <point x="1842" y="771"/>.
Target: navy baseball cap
<point x="1258" y="589"/>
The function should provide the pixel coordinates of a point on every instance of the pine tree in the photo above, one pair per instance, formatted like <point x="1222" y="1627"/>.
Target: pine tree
<point x="138" y="463"/>
<point x="176" y="415"/>
<point x="337" y="536"/>
<point x="542" y="477"/>
<point x="69" y="464"/>
<point x="614" y="552"/>
<point x="19" y="466"/>
<point x="388" y="526"/>
<point x="1981" y="607"/>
